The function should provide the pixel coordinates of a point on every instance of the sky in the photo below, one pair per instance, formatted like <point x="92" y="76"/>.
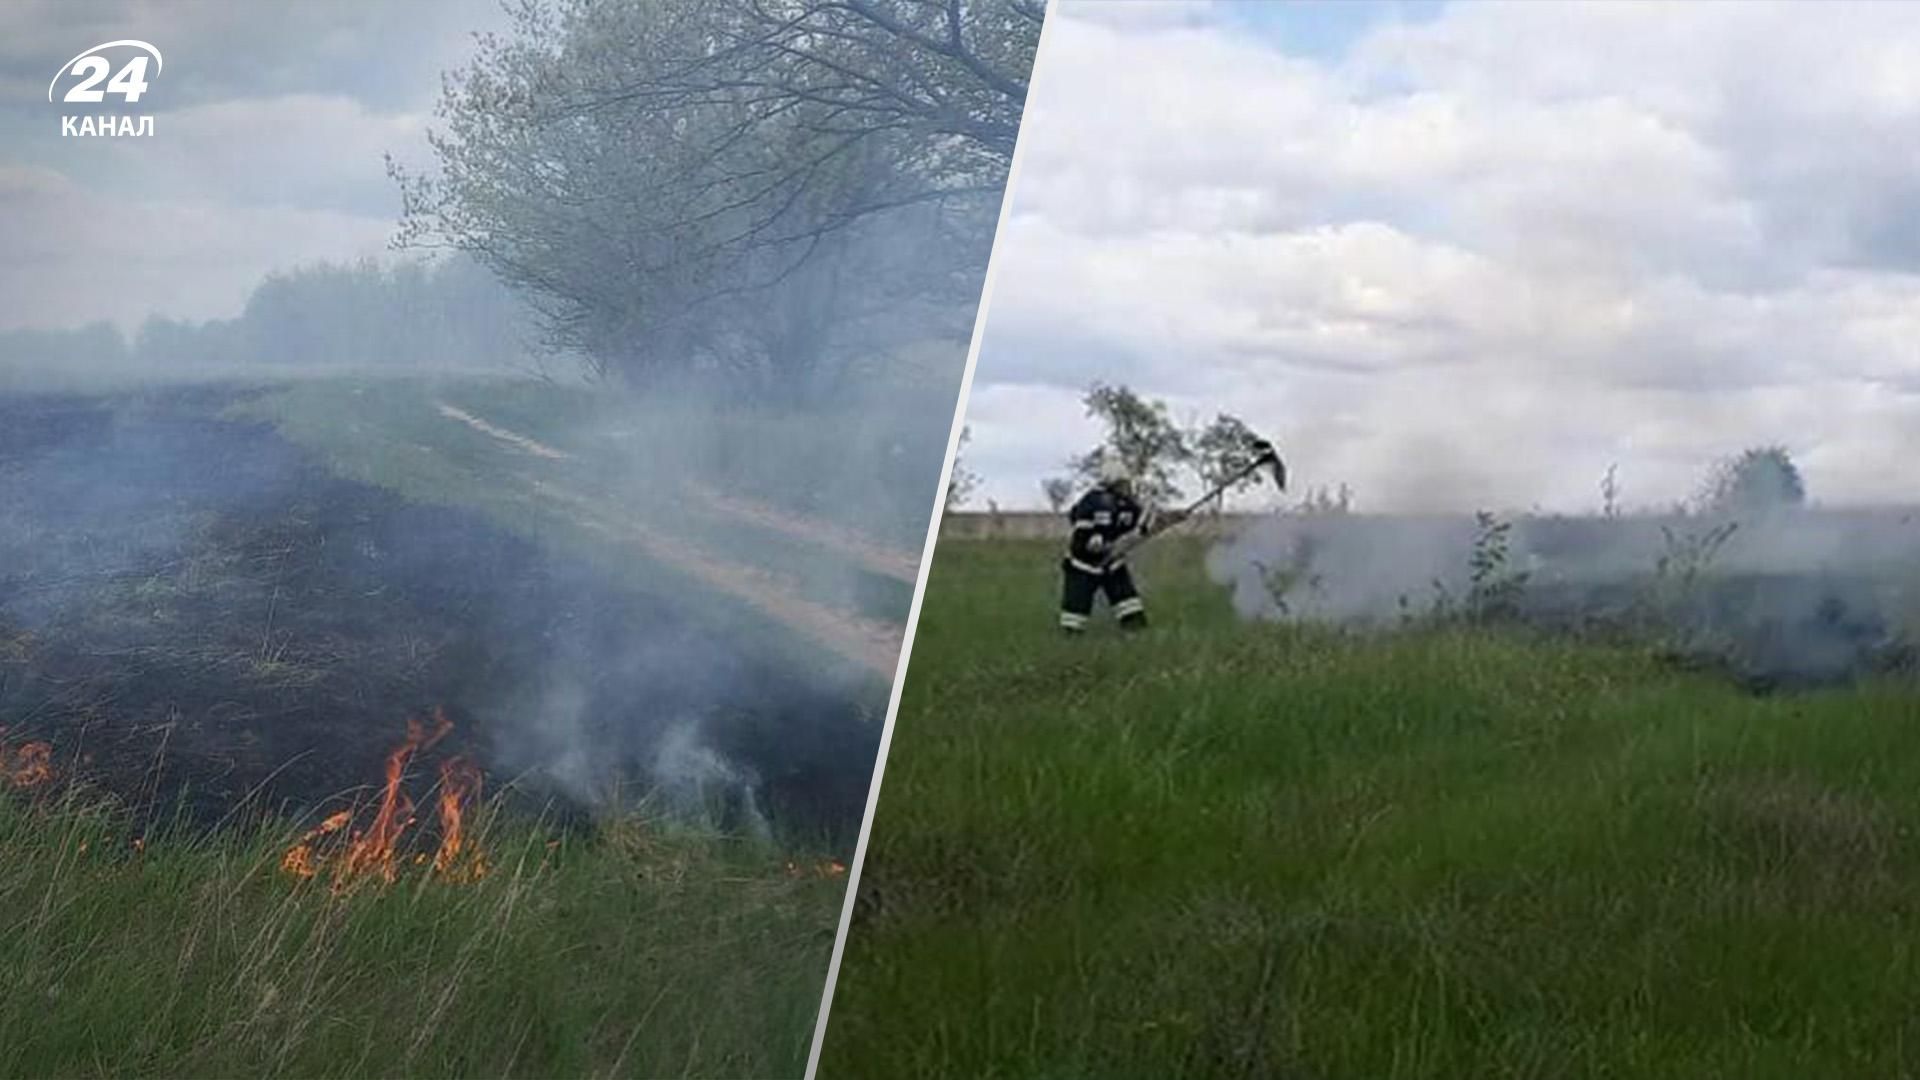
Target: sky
<point x="270" y="122"/>
<point x="1464" y="256"/>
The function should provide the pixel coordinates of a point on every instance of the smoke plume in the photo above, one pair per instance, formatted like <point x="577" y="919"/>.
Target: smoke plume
<point x="1781" y="598"/>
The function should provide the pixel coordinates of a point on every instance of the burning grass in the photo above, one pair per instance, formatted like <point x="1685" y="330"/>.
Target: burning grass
<point x="1231" y="849"/>
<point x="638" y="949"/>
<point x="376" y="852"/>
<point x="243" y="644"/>
<point x="25" y="765"/>
<point x="256" y="635"/>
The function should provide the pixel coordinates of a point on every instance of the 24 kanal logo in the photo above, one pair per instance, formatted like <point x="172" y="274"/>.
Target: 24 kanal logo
<point x="85" y="75"/>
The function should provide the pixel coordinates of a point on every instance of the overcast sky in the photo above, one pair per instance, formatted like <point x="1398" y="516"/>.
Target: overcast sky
<point x="270" y="122"/>
<point x="1469" y="255"/>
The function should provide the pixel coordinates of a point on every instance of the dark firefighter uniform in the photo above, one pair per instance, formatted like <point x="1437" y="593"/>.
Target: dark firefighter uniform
<point x="1101" y="517"/>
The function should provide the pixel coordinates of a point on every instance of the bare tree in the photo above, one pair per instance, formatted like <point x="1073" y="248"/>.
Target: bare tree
<point x="723" y="183"/>
<point x="939" y="85"/>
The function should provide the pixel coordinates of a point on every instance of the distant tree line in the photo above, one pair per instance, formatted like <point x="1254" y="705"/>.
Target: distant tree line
<point x="757" y="191"/>
<point x="446" y="314"/>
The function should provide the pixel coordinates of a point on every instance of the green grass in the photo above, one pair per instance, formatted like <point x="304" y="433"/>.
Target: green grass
<point x="1232" y="850"/>
<point x="640" y="950"/>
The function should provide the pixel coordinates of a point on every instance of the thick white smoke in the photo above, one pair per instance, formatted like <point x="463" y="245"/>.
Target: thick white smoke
<point x="1794" y="596"/>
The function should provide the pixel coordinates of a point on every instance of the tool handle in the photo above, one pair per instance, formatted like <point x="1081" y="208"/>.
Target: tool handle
<point x="1134" y="540"/>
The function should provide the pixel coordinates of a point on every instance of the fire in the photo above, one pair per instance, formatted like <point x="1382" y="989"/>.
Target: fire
<point x="826" y="868"/>
<point x="31" y="765"/>
<point x="376" y="851"/>
<point x="459" y="789"/>
<point x="298" y="861"/>
<point x="299" y="858"/>
<point x="372" y="852"/>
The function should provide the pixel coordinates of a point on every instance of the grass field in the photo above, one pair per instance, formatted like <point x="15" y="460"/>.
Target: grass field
<point x="1271" y="851"/>
<point x="641" y="950"/>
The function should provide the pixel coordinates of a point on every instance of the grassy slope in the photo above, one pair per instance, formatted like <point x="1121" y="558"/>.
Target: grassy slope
<point x="638" y="951"/>
<point x="389" y="433"/>
<point x="1258" y="851"/>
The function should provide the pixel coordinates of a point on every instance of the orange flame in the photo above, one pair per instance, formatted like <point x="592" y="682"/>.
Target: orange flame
<point x="376" y="851"/>
<point x="298" y="861"/>
<point x="33" y="765"/>
<point x="826" y="868"/>
<point x="459" y="788"/>
<point x="29" y="766"/>
<point x="299" y="858"/>
<point x="373" y="850"/>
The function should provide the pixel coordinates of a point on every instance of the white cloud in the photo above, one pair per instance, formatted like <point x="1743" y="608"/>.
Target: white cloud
<point x="1476" y="259"/>
<point x="271" y="122"/>
<point x="1144" y="14"/>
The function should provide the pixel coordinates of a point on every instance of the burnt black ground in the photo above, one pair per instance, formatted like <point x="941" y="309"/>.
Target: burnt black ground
<point x="197" y="614"/>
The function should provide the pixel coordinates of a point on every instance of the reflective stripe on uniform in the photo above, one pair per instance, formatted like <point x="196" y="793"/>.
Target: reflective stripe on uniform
<point x="1078" y="525"/>
<point x="1071" y="621"/>
<point x="1085" y="568"/>
<point x="1130" y="606"/>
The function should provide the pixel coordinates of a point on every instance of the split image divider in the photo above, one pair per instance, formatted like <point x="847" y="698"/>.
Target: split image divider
<point x="940" y="500"/>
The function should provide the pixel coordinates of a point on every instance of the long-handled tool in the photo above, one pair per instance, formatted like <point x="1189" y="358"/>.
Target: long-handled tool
<point x="1264" y="457"/>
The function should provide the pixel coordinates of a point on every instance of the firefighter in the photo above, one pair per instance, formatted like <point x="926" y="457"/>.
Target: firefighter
<point x="1101" y="517"/>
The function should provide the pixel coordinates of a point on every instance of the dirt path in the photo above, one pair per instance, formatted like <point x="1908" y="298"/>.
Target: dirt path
<point x="876" y="558"/>
<point x="869" y="642"/>
<point x="885" y="561"/>
<point x="518" y="442"/>
<point x="872" y="643"/>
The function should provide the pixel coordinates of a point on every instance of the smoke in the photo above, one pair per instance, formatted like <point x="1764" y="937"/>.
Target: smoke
<point x="174" y="577"/>
<point x="657" y="618"/>
<point x="692" y="777"/>
<point x="636" y="494"/>
<point x="689" y="609"/>
<point x="1793" y="597"/>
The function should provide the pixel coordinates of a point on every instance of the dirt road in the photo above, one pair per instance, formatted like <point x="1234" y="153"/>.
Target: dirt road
<point x="871" y="643"/>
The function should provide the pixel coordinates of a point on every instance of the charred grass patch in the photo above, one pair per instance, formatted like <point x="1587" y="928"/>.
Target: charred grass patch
<point x="212" y="641"/>
<point x="193" y="609"/>
<point x="1225" y="849"/>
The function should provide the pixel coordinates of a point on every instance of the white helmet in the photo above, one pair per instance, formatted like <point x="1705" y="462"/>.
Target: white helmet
<point x="1113" y="470"/>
